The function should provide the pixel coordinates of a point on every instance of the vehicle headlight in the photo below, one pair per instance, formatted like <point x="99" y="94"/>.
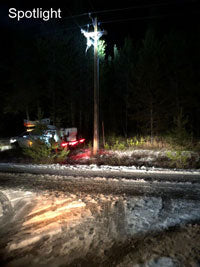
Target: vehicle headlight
<point x="13" y="140"/>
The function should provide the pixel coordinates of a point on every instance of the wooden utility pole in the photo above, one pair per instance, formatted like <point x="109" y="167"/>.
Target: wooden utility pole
<point x="92" y="39"/>
<point x="96" y="92"/>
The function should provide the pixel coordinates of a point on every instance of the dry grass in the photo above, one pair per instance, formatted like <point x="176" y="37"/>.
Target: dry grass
<point x="155" y="143"/>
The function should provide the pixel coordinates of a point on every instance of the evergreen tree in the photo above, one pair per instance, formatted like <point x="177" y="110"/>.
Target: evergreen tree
<point x="148" y="96"/>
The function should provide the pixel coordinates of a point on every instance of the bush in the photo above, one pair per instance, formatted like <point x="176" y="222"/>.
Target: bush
<point x="179" y="135"/>
<point x="106" y="146"/>
<point x="136" y="142"/>
<point x="40" y="152"/>
<point x="61" y="155"/>
<point x="179" y="159"/>
<point x="118" y="145"/>
<point x="176" y="140"/>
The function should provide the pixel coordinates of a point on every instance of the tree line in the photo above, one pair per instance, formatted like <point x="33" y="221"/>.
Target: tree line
<point x="147" y="86"/>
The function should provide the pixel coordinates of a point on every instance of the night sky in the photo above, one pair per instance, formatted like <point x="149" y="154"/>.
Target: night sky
<point x="119" y="18"/>
<point x="132" y="18"/>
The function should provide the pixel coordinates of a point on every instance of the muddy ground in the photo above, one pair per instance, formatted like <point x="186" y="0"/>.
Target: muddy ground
<point x="44" y="227"/>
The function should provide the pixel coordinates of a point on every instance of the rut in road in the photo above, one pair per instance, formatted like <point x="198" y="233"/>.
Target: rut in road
<point x="58" y="220"/>
<point x="101" y="185"/>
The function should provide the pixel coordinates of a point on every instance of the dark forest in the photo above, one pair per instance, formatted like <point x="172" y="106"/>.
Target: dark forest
<point x="149" y="81"/>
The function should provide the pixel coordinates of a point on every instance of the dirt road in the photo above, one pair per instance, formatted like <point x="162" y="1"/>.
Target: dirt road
<point x="82" y="221"/>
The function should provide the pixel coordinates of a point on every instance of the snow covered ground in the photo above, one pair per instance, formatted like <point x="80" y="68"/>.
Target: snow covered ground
<point x="78" y="217"/>
<point x="88" y="229"/>
<point x="95" y="168"/>
<point x="125" y="160"/>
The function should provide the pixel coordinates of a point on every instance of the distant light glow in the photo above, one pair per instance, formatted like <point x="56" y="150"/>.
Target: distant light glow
<point x="13" y="140"/>
<point x="30" y="130"/>
<point x="73" y="143"/>
<point x="30" y="143"/>
<point x="92" y="37"/>
<point x="64" y="144"/>
<point x="56" y="137"/>
<point x="29" y="124"/>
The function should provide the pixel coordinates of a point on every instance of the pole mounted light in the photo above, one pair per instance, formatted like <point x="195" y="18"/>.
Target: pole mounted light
<point x="92" y="39"/>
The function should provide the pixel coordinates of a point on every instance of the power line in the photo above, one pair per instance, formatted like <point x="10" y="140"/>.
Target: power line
<point x="119" y="9"/>
<point x="115" y="10"/>
<point x="128" y="8"/>
<point x="63" y="28"/>
<point x="111" y="10"/>
<point x="117" y="20"/>
<point x="121" y="20"/>
<point x="146" y="17"/>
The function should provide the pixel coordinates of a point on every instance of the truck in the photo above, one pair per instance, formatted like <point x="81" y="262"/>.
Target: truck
<point x="66" y="138"/>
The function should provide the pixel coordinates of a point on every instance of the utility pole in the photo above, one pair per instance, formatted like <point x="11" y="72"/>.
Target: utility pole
<point x="92" y="39"/>
<point x="96" y="93"/>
